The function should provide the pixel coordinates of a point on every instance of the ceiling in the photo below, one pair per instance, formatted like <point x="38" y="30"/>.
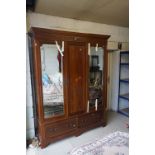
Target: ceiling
<point x="112" y="12"/>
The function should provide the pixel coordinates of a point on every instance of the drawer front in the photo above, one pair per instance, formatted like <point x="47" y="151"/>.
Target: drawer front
<point x="89" y="120"/>
<point x="60" y="128"/>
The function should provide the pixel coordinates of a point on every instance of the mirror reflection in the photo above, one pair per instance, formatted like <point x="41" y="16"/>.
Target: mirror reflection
<point x="52" y="80"/>
<point x="95" y="77"/>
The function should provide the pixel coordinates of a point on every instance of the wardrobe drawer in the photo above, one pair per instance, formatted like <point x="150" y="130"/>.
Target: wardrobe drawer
<point x="60" y="128"/>
<point x="89" y="120"/>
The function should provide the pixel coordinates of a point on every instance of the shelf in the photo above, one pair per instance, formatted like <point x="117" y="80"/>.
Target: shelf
<point x="124" y="63"/>
<point x="124" y="111"/>
<point x="124" y="96"/>
<point x="124" y="52"/>
<point x="124" y="80"/>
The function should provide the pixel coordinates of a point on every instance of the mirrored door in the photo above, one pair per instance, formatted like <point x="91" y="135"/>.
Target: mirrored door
<point x="52" y="80"/>
<point x="95" y="78"/>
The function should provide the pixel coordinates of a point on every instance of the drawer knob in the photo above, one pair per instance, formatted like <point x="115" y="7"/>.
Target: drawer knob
<point x="75" y="38"/>
<point x="74" y="125"/>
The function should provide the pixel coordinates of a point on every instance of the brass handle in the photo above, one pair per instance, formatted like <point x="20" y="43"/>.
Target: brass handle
<point x="76" y="38"/>
<point x="78" y="79"/>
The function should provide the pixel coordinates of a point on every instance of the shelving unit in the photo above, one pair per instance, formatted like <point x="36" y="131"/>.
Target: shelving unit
<point x="123" y="97"/>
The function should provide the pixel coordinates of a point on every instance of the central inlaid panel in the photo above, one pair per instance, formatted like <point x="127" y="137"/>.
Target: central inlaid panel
<point x="77" y="78"/>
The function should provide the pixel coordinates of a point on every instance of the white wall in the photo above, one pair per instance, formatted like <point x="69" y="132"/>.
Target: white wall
<point x="114" y="80"/>
<point x="118" y="34"/>
<point x="29" y="105"/>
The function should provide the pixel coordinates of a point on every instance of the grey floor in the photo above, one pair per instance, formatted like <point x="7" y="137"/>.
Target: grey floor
<point x="116" y="122"/>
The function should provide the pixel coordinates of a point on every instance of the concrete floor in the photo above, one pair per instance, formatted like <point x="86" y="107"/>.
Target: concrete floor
<point x="116" y="122"/>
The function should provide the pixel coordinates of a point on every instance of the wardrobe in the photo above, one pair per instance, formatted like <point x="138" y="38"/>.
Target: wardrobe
<point x="69" y="74"/>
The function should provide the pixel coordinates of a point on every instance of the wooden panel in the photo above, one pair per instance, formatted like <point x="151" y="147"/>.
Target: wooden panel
<point x="77" y="78"/>
<point x="43" y="34"/>
<point x="86" y="121"/>
<point x="60" y="128"/>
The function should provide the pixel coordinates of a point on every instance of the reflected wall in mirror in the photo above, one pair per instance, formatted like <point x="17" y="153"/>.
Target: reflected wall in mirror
<point x="52" y="80"/>
<point x="96" y="62"/>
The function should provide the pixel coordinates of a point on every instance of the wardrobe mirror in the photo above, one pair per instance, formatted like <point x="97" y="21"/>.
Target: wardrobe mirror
<point x="96" y="67"/>
<point x="52" y="80"/>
